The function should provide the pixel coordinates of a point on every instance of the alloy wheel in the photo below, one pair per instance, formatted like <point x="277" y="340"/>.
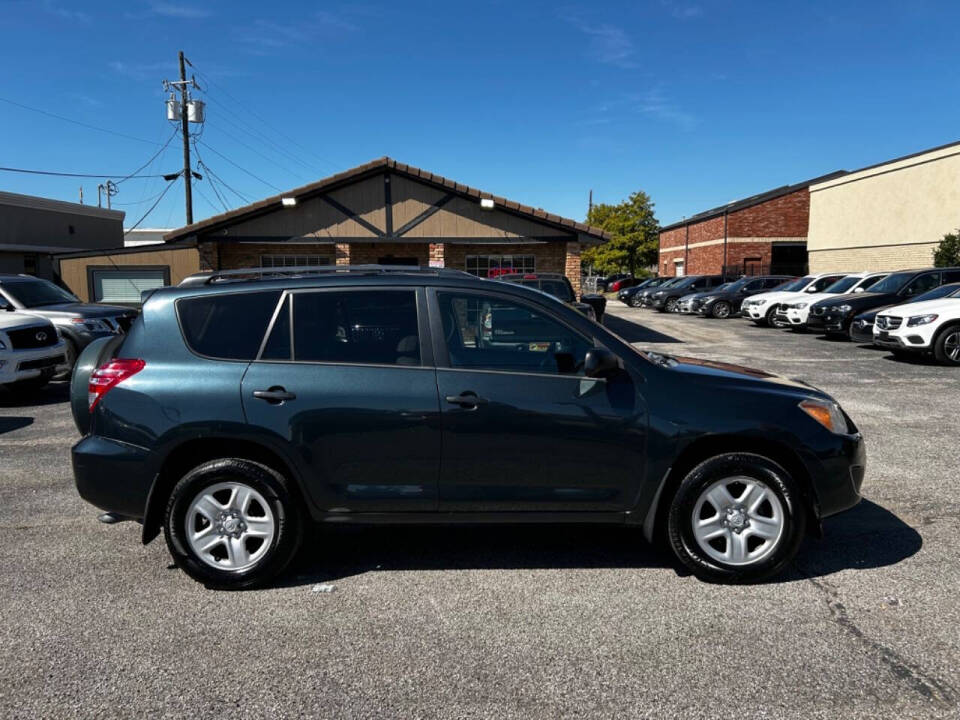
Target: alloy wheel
<point x="230" y="526"/>
<point x="721" y="310"/>
<point x="951" y="346"/>
<point x="671" y="305"/>
<point x="738" y="521"/>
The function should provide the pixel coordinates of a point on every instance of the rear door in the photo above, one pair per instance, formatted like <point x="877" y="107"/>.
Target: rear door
<point x="523" y="429"/>
<point x="346" y="381"/>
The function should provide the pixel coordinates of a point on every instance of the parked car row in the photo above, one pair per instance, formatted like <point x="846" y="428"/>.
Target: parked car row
<point x="908" y="312"/>
<point x="43" y="329"/>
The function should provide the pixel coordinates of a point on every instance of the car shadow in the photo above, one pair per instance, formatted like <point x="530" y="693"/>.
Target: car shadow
<point x="54" y="393"/>
<point x="912" y="358"/>
<point x="867" y="536"/>
<point x="635" y="333"/>
<point x="11" y="423"/>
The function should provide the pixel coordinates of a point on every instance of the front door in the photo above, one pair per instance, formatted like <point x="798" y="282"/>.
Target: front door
<point x="353" y="396"/>
<point x="523" y="428"/>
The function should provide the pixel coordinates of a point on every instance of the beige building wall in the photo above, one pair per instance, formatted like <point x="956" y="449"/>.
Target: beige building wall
<point x="888" y="217"/>
<point x="181" y="261"/>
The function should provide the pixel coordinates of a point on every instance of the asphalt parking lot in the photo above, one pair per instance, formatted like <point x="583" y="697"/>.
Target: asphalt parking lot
<point x="516" y="622"/>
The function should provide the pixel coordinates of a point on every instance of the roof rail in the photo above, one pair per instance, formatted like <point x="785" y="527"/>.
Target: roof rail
<point x="269" y="273"/>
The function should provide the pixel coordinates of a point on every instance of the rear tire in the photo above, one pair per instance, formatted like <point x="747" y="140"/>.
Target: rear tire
<point x="946" y="348"/>
<point x="736" y="518"/>
<point x="232" y="524"/>
<point x="671" y="305"/>
<point x="635" y="301"/>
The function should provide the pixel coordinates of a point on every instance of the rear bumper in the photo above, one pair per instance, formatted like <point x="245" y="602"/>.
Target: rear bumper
<point x="111" y="475"/>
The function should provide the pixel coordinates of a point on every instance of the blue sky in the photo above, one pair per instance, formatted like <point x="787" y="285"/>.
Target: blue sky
<point x="697" y="102"/>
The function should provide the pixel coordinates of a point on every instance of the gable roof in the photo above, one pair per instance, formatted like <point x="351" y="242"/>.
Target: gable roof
<point x="274" y="202"/>
<point x="752" y="200"/>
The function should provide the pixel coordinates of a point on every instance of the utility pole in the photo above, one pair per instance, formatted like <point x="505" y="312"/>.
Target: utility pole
<point x="184" y="111"/>
<point x="590" y="205"/>
<point x="185" y="130"/>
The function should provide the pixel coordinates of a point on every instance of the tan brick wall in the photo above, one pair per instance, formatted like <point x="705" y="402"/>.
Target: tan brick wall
<point x="550" y="257"/>
<point x="572" y="265"/>
<point x="342" y="253"/>
<point x="873" y="258"/>
<point x="437" y="254"/>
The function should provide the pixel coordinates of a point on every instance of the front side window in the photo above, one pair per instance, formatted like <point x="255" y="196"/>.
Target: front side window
<point x="227" y="326"/>
<point x="922" y="284"/>
<point x="488" y="266"/>
<point x="489" y="333"/>
<point x="364" y="327"/>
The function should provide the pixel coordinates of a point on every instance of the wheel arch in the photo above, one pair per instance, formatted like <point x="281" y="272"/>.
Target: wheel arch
<point x="705" y="448"/>
<point x="191" y="453"/>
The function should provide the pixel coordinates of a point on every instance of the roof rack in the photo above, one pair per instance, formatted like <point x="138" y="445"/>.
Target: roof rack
<point x="269" y="273"/>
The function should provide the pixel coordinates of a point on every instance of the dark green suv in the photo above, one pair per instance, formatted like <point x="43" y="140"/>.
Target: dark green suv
<point x="242" y="406"/>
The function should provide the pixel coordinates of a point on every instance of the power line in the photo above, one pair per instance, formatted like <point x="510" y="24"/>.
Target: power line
<point x="206" y="199"/>
<point x="144" y="217"/>
<point x="265" y="123"/>
<point x="141" y="202"/>
<point x="200" y="163"/>
<point x="100" y="176"/>
<point x="150" y="161"/>
<point x="221" y="155"/>
<point x="77" y="122"/>
<point x="217" y="193"/>
<point x="254" y="150"/>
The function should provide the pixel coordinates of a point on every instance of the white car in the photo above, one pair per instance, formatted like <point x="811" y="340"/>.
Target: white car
<point x="922" y="327"/>
<point x="31" y="350"/>
<point x="795" y="313"/>
<point x="762" y="308"/>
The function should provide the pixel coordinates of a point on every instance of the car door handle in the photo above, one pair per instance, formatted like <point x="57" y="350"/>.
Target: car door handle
<point x="274" y="395"/>
<point x="466" y="399"/>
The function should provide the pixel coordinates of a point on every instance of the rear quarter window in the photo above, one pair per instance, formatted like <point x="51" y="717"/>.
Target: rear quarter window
<point x="228" y="326"/>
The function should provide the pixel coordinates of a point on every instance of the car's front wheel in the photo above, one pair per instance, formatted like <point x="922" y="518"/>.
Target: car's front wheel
<point x="946" y="349"/>
<point x="736" y="518"/>
<point x="720" y="309"/>
<point x="672" y="305"/>
<point x="635" y="300"/>
<point x="232" y="524"/>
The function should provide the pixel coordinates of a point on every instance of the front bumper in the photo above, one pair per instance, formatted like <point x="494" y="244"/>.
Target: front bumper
<point x="836" y="324"/>
<point x="797" y="317"/>
<point x="901" y="340"/>
<point x="861" y="333"/>
<point x="754" y="312"/>
<point x="113" y="476"/>
<point x="839" y="476"/>
<point x="17" y="365"/>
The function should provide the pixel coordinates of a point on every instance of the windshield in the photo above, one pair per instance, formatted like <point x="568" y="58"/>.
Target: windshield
<point x="794" y="285"/>
<point x="37" y="293"/>
<point x="557" y="288"/>
<point x="842" y="285"/>
<point x="736" y="285"/>
<point x="893" y="283"/>
<point x="952" y="290"/>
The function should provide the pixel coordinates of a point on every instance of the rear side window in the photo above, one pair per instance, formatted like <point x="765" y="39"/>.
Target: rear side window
<point x="367" y="327"/>
<point x="228" y="327"/>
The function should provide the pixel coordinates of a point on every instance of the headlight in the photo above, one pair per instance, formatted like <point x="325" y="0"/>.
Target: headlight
<point x="827" y="414"/>
<point x="92" y="324"/>
<point x="708" y="298"/>
<point x="921" y="320"/>
<point x="842" y="309"/>
<point x="799" y="306"/>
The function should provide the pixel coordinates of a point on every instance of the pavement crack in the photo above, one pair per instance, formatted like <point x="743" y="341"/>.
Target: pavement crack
<point x="938" y="692"/>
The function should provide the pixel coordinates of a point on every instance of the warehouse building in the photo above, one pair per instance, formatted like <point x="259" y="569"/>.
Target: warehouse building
<point x="33" y="229"/>
<point x="382" y="212"/>
<point x="889" y="216"/>
<point x="762" y="234"/>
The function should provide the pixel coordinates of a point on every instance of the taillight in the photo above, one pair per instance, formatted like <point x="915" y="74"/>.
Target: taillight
<point x="109" y="375"/>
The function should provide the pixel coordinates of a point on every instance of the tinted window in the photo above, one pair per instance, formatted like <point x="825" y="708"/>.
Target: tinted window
<point x="37" y="293"/>
<point x="771" y="283"/>
<point x="937" y="292"/>
<point x="484" y="332"/>
<point x="795" y="285"/>
<point x="227" y="326"/>
<point x="842" y="285"/>
<point x="825" y="282"/>
<point x="356" y="326"/>
<point x="922" y="284"/>
<point x="951" y="276"/>
<point x="892" y="283"/>
<point x="557" y="288"/>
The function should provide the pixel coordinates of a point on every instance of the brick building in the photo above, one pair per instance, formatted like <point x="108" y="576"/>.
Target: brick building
<point x="765" y="233"/>
<point x="382" y="212"/>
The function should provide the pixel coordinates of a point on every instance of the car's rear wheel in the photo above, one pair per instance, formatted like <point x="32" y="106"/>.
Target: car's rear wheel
<point x="947" y="347"/>
<point x="736" y="518"/>
<point x="721" y="310"/>
<point x="232" y="524"/>
<point x="635" y="300"/>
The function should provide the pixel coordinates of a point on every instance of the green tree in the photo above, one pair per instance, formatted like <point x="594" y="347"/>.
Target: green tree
<point x="948" y="254"/>
<point x="635" y="235"/>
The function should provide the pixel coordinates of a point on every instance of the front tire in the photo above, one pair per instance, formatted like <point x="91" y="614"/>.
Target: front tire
<point x="635" y="301"/>
<point x="720" y="310"/>
<point x="232" y="524"/>
<point x="736" y="518"/>
<point x="671" y="305"/>
<point x="946" y="349"/>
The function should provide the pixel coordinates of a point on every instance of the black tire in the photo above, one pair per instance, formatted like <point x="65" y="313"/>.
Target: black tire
<point x="635" y="300"/>
<point x="671" y="305"/>
<point x="272" y="486"/>
<point x="721" y="310"/>
<point x="945" y="346"/>
<point x="766" y="320"/>
<point x="680" y="518"/>
<point x="70" y="358"/>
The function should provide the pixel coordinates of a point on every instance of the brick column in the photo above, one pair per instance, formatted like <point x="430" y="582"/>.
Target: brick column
<point x="209" y="253"/>
<point x="437" y="252"/>
<point x="342" y="253"/>
<point x="572" y="265"/>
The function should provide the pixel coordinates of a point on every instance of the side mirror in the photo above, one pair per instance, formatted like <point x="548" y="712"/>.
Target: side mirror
<point x="859" y="289"/>
<point x="599" y="362"/>
<point x="811" y="289"/>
